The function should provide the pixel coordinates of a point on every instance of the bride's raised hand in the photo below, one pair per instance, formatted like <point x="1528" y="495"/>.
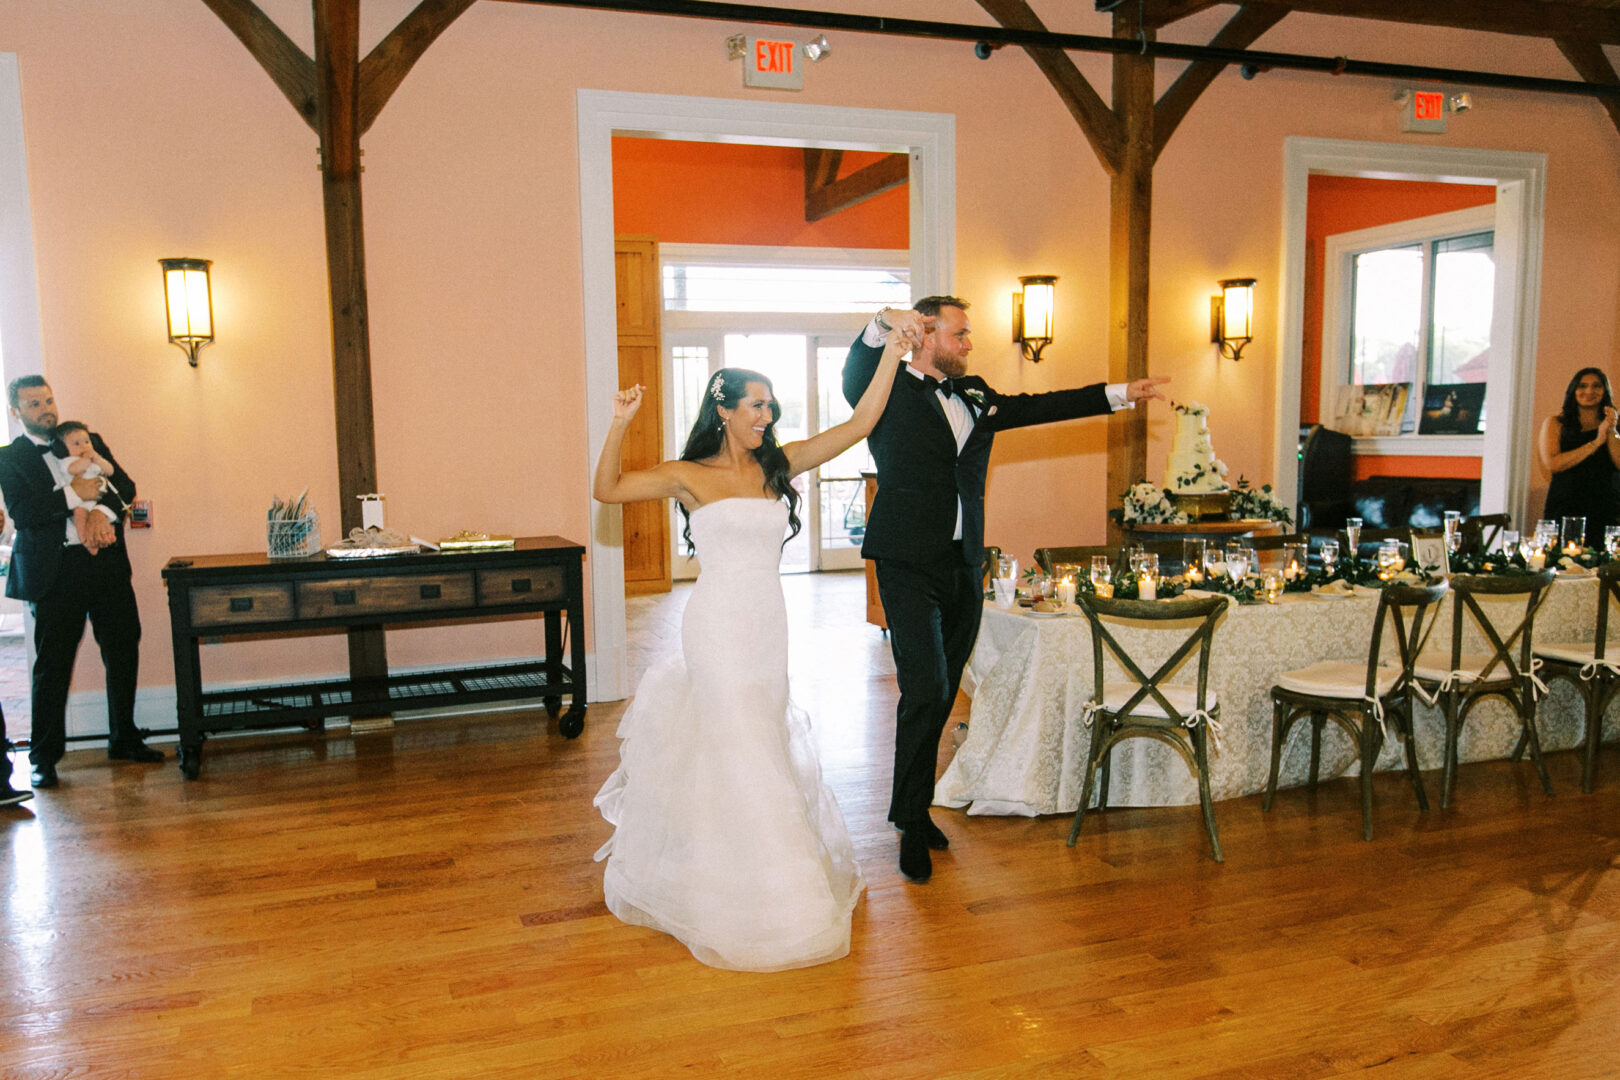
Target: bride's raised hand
<point x="627" y="402"/>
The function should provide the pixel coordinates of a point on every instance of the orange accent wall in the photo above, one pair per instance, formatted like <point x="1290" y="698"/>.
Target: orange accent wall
<point x="727" y="193"/>
<point x="1451" y="468"/>
<point x="1339" y="204"/>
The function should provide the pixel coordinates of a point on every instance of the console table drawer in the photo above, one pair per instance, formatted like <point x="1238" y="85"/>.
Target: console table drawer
<point x="223" y="605"/>
<point x="337" y="598"/>
<point x="522" y="585"/>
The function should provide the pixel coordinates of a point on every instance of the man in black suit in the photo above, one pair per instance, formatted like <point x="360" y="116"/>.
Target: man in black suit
<point x="926" y="529"/>
<point x="66" y="579"/>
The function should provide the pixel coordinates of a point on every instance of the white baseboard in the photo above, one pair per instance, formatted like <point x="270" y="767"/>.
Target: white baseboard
<point x="155" y="705"/>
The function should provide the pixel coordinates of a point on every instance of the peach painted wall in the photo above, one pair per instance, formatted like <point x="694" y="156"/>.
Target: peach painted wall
<point x="150" y="132"/>
<point x="1339" y="204"/>
<point x="666" y="189"/>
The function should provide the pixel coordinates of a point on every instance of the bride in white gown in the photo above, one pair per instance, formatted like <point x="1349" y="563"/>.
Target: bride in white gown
<point x="725" y="835"/>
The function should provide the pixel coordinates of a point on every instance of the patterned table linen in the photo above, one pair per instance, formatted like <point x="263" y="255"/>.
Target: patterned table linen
<point x="1025" y="750"/>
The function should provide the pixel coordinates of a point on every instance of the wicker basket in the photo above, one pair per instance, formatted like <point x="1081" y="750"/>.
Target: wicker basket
<point x="293" y="539"/>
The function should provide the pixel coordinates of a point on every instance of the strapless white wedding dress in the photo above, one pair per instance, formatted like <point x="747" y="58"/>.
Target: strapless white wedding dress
<point x="726" y="837"/>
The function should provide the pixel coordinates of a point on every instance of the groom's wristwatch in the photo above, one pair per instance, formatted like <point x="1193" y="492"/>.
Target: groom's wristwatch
<point x="882" y="323"/>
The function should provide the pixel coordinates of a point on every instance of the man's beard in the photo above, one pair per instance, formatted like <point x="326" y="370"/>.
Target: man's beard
<point x="953" y="367"/>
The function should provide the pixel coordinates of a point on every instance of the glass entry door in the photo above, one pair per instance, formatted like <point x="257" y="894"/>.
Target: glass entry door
<point x="806" y="375"/>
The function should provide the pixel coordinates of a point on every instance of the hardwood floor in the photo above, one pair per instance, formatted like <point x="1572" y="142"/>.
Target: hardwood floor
<point x="423" y="904"/>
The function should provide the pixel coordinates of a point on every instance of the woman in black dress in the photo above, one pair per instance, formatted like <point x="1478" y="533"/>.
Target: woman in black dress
<point x="1579" y="448"/>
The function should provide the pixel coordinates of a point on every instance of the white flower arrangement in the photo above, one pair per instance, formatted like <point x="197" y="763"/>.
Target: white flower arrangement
<point x="1147" y="503"/>
<point x="1249" y="503"/>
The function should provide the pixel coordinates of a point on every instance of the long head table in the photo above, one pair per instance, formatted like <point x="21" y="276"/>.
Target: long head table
<point x="1030" y="679"/>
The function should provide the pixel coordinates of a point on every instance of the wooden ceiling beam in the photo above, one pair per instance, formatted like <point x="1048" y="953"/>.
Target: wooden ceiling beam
<point x="289" y="67"/>
<point x="1523" y="18"/>
<point x="1589" y="60"/>
<point x="386" y="66"/>
<point x="834" y="195"/>
<point x="1160" y="13"/>
<point x="1245" y="27"/>
<point x="1097" y="121"/>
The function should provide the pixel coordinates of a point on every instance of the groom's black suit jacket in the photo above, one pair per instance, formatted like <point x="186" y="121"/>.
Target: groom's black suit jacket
<point x="41" y="514"/>
<point x="920" y="473"/>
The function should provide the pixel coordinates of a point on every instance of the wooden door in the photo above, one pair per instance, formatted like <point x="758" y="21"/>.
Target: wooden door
<point x="646" y="524"/>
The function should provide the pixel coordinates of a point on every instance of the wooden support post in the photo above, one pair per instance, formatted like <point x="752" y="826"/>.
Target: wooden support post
<point x="337" y="51"/>
<point x="1130" y="211"/>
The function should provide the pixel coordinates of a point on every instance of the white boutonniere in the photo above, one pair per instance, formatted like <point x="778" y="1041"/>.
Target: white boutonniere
<point x="975" y="395"/>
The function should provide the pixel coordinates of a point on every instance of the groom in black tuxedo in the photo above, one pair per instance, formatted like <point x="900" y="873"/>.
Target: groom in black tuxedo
<point x="926" y="529"/>
<point x="67" y="579"/>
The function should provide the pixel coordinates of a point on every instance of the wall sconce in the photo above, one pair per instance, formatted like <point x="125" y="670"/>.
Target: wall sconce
<point x="190" y="302"/>
<point x="1032" y="314"/>
<point x="1231" y="317"/>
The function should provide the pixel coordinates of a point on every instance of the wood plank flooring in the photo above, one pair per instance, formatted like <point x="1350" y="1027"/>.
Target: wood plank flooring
<point x="423" y="904"/>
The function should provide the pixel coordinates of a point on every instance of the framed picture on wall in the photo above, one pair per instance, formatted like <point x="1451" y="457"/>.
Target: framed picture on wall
<point x="1370" y="408"/>
<point x="1451" y="409"/>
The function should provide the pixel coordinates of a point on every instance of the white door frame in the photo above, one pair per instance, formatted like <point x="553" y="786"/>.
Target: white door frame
<point x="1521" y="183"/>
<point x="929" y="138"/>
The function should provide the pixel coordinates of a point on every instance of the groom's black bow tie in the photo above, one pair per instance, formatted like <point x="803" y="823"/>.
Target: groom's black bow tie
<point x="43" y="448"/>
<point x="945" y="386"/>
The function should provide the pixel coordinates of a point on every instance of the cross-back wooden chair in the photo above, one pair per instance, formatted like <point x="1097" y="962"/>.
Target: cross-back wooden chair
<point x="1504" y="672"/>
<point x="1592" y="668"/>
<point x="1048" y="557"/>
<point x="1366" y="700"/>
<point x="1481" y="532"/>
<point x="1148" y="706"/>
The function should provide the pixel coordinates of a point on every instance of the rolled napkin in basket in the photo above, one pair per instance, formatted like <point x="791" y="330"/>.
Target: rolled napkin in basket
<point x="1337" y="588"/>
<point x="1567" y="565"/>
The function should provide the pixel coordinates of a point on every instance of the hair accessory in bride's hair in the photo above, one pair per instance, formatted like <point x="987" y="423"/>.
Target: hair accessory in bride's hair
<point x="717" y="387"/>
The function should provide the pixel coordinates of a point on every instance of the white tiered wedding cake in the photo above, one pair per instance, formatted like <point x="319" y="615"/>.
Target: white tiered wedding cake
<point x="1193" y="469"/>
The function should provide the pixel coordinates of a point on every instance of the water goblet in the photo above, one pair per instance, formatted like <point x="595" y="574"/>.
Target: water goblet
<point x="1510" y="542"/>
<point x="1330" y="557"/>
<point x="1237" y="562"/>
<point x="1212" y="561"/>
<point x="1102" y="576"/>
<point x="1452" y="523"/>
<point x="1271" y="583"/>
<point x="1352" y="535"/>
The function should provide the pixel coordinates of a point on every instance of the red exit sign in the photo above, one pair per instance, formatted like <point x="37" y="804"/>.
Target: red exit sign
<point x="1423" y="111"/>
<point x="770" y="63"/>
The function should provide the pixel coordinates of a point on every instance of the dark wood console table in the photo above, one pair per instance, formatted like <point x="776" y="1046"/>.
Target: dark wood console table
<point x="213" y="596"/>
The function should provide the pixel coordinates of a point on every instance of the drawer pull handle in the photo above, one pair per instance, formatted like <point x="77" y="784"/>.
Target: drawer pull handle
<point x="430" y="592"/>
<point x="521" y="584"/>
<point x="241" y="603"/>
<point x="342" y="596"/>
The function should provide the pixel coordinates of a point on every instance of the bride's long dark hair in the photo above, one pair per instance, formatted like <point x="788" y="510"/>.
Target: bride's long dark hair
<point x="726" y="388"/>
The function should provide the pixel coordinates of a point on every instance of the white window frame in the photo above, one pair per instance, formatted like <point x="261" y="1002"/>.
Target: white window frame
<point x="1338" y="282"/>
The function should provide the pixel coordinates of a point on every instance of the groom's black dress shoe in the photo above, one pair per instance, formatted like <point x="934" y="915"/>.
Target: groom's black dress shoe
<point x="136" y="751"/>
<point x="43" y="776"/>
<point x="10" y="796"/>
<point x="915" y="862"/>
<point x="931" y="834"/>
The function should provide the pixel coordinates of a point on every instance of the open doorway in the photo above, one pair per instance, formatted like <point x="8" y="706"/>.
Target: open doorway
<point x="1513" y="219"/>
<point x="927" y="138"/>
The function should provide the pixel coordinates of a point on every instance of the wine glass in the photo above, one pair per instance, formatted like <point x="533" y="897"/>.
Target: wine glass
<point x="1611" y="539"/>
<point x="1102" y="576"/>
<point x="1330" y="557"/>
<point x="1352" y="534"/>
<point x="1212" y="559"/>
<point x="1271" y="583"/>
<point x="1452" y="524"/>
<point x="1237" y="562"/>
